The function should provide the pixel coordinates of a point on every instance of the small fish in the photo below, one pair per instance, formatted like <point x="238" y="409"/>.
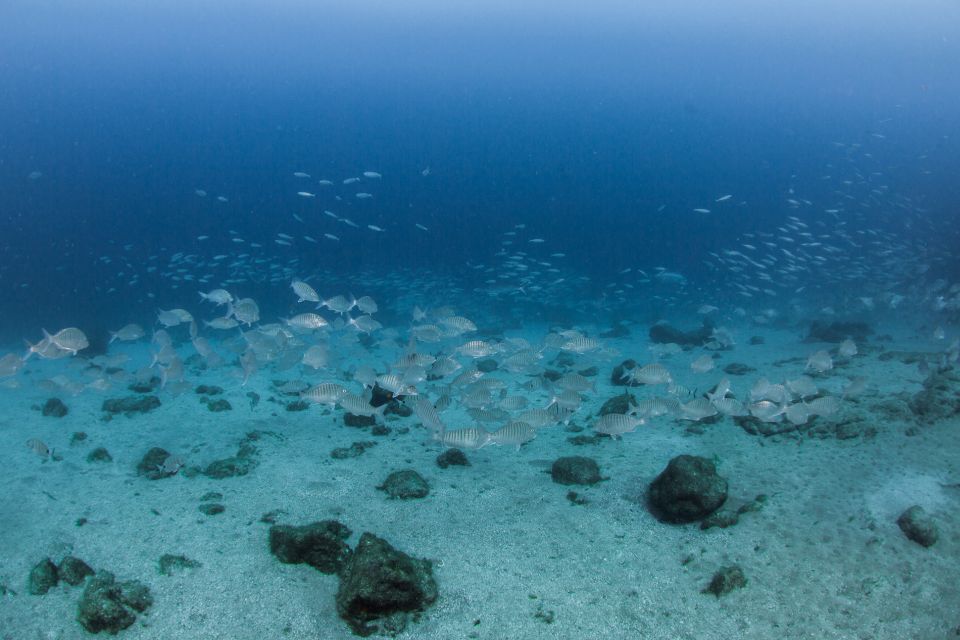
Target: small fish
<point x="305" y="293"/>
<point x="471" y="438"/>
<point x="38" y="447"/>
<point x="820" y="362"/>
<point x="217" y="296"/>
<point x="330" y="236"/>
<point x="513" y="433"/>
<point x="363" y="195"/>
<point x="128" y="333"/>
<point x="374" y="227"/>
<point x="300" y="174"/>
<point x="724" y="198"/>
<point x="701" y="210"/>
<point x="421" y="227"/>
<point x="372" y="174"/>
<point x="306" y="194"/>
<point x="616" y="424"/>
<point x="847" y="348"/>
<point x="325" y="393"/>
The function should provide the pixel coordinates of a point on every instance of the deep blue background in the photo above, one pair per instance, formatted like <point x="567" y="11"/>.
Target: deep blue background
<point x="580" y="123"/>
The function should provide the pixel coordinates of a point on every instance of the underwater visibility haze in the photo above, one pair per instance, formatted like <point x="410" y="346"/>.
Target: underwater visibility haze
<point x="479" y="320"/>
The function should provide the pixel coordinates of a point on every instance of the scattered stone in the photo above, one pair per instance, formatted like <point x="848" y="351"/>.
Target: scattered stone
<point x="918" y="526"/>
<point x="298" y="405"/>
<point x="100" y="454"/>
<point x="208" y="390"/>
<point x="170" y="563"/>
<point x="354" y="450"/>
<point x="54" y="408"/>
<point x="405" y="485"/>
<point x="211" y="496"/>
<point x="452" y="457"/>
<point x="220" y="404"/>
<point x="352" y="420"/>
<point x="380" y="430"/>
<point x="212" y="509"/>
<point x="838" y="331"/>
<point x="552" y="375"/>
<point x="43" y="577"/>
<point x="689" y="489"/>
<point x="618" y="404"/>
<point x="77" y="437"/>
<point x="322" y="545"/>
<point x="397" y="408"/>
<point x="254" y="398"/>
<point x="380" y="587"/>
<point x="239" y="465"/>
<point x="579" y="441"/>
<point x="738" y="369"/>
<point x="152" y="464"/>
<point x="145" y="386"/>
<point x="664" y="333"/>
<point x="589" y="372"/>
<point x="108" y="605"/>
<point x="576" y="498"/>
<point x="131" y="405"/>
<point x="725" y="580"/>
<point x="575" y="470"/>
<point x="755" y="340"/>
<point x="73" y="570"/>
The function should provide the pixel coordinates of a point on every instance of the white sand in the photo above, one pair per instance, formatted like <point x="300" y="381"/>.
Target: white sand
<point x="824" y="557"/>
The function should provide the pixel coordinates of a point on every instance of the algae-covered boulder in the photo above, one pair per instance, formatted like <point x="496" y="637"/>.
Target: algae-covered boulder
<point x="575" y="470"/>
<point x="689" y="489"/>
<point x="322" y="545"/>
<point x="111" y="606"/>
<point x="380" y="587"/>
<point x="405" y="485"/>
<point x="918" y="526"/>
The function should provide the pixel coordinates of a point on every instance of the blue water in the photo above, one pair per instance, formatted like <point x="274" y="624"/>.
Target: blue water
<point x="601" y="129"/>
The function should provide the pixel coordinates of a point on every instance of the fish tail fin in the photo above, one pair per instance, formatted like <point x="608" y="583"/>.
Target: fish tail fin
<point x="31" y="349"/>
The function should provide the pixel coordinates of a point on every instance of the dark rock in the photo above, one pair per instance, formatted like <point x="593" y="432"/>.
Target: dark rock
<point x="77" y="437"/>
<point x="380" y="430"/>
<point x="352" y="420"/>
<point x="151" y="465"/>
<point x="589" y="372"/>
<point x="575" y="470"/>
<point x="565" y="360"/>
<point x="397" y="408"/>
<point x="579" y="441"/>
<point x="838" y="331"/>
<point x="322" y="545"/>
<point x="211" y="496"/>
<point x="939" y="399"/>
<point x="54" y="408"/>
<point x="100" y="454"/>
<point x="663" y="333"/>
<point x="131" y="405"/>
<point x="620" y="376"/>
<point x="254" y="398"/>
<point x="297" y="405"/>
<point x="208" y="390"/>
<point x="220" y="404"/>
<point x="108" y="605"/>
<point x="239" y="465"/>
<point x="576" y="498"/>
<point x="354" y="450"/>
<point x="271" y="517"/>
<point x="212" y="509"/>
<point x="756" y="427"/>
<point x="552" y="375"/>
<point x="43" y="577"/>
<point x="725" y="580"/>
<point x="918" y="526"/>
<point x="617" y="331"/>
<point x="380" y="587"/>
<point x="689" y="489"/>
<point x="487" y="365"/>
<point x="145" y="386"/>
<point x="738" y="369"/>
<point x="73" y="570"/>
<point x="755" y="340"/>
<point x="618" y="404"/>
<point x="405" y="485"/>
<point x="452" y="457"/>
<point x="170" y="563"/>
